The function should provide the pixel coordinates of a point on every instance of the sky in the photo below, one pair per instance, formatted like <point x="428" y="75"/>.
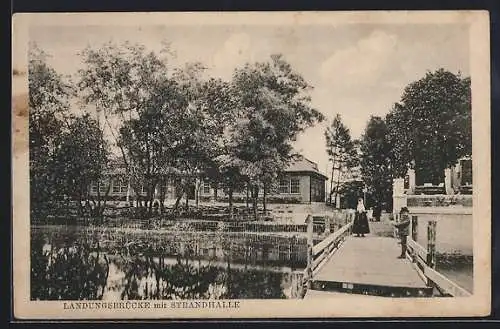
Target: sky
<point x="356" y="70"/>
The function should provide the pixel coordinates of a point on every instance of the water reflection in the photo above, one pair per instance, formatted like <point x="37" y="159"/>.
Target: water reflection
<point x="148" y="278"/>
<point x="72" y="270"/>
<point x="457" y="267"/>
<point x="67" y="273"/>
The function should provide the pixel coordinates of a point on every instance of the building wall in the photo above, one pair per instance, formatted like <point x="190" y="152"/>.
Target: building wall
<point x="305" y="188"/>
<point x="317" y="189"/>
<point x="307" y="184"/>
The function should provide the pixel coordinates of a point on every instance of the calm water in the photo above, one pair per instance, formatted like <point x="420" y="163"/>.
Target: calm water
<point x="454" y="246"/>
<point x="70" y="269"/>
<point x="67" y="266"/>
<point x="462" y="275"/>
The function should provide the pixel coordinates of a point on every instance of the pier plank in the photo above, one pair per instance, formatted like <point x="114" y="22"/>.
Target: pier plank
<point x="370" y="260"/>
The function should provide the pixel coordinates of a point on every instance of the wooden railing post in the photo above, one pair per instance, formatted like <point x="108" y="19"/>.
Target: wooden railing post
<point x="431" y="244"/>
<point x="327" y="225"/>
<point x="414" y="228"/>
<point x="297" y="291"/>
<point x="309" y="269"/>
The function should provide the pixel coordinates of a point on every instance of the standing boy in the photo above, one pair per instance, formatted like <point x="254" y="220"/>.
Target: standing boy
<point x="403" y="229"/>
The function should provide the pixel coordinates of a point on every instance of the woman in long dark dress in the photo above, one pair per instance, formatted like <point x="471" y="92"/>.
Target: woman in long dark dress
<point x="360" y="224"/>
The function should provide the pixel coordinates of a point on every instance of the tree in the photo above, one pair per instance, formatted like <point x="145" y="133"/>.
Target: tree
<point x="146" y="109"/>
<point x="376" y="161"/>
<point x="341" y="151"/>
<point x="275" y="108"/>
<point x="81" y="159"/>
<point x="431" y="127"/>
<point x="350" y="191"/>
<point x="211" y="110"/>
<point x="48" y="104"/>
<point x="221" y="167"/>
<point x="171" y="122"/>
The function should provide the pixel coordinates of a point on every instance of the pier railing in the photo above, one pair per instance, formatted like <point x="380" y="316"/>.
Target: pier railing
<point x="424" y="261"/>
<point x="318" y="255"/>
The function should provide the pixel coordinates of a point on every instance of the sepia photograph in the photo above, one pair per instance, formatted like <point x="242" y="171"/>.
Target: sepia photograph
<point x="305" y="164"/>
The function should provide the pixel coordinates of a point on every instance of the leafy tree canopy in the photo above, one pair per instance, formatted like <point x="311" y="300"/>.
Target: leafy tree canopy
<point x="431" y="127"/>
<point x="375" y="160"/>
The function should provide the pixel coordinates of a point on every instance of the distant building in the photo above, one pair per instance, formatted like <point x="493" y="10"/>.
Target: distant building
<point x="457" y="180"/>
<point x="300" y="182"/>
<point x="454" y="190"/>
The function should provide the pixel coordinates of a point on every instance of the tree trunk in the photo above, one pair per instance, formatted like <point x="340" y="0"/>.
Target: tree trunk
<point x="230" y="194"/>
<point x="150" y="198"/>
<point x="337" y="187"/>
<point x="178" y="200"/>
<point x="331" y="186"/>
<point x="333" y="170"/>
<point x="163" y="192"/>
<point x="264" y="199"/>
<point x="67" y="210"/>
<point x="81" y="207"/>
<point x="197" y="194"/>
<point x="98" y="197"/>
<point x="248" y="195"/>
<point x="255" y="194"/>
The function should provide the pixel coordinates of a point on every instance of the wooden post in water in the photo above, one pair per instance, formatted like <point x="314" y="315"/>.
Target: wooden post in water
<point x="431" y="244"/>
<point x="308" y="274"/>
<point x="297" y="279"/>
<point x="414" y="228"/>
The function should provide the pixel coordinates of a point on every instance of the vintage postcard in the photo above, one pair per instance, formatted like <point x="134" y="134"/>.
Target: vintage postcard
<point x="251" y="165"/>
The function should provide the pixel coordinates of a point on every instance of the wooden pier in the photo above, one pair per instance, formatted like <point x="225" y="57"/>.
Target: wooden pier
<point x="369" y="266"/>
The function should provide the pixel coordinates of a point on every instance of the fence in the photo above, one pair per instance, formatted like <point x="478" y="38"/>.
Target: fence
<point x="240" y="247"/>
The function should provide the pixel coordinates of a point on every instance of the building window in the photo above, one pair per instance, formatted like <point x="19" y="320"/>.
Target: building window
<point x="166" y="186"/>
<point x="294" y="186"/>
<point x="103" y="188"/>
<point x="206" y="187"/>
<point x="284" y="187"/>
<point x="120" y="186"/>
<point x="289" y="186"/>
<point x="116" y="186"/>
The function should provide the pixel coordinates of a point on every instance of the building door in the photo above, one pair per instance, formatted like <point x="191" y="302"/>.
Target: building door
<point x="191" y="192"/>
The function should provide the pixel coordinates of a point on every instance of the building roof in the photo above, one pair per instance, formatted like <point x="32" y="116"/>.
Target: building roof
<point x="299" y="165"/>
<point x="304" y="165"/>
